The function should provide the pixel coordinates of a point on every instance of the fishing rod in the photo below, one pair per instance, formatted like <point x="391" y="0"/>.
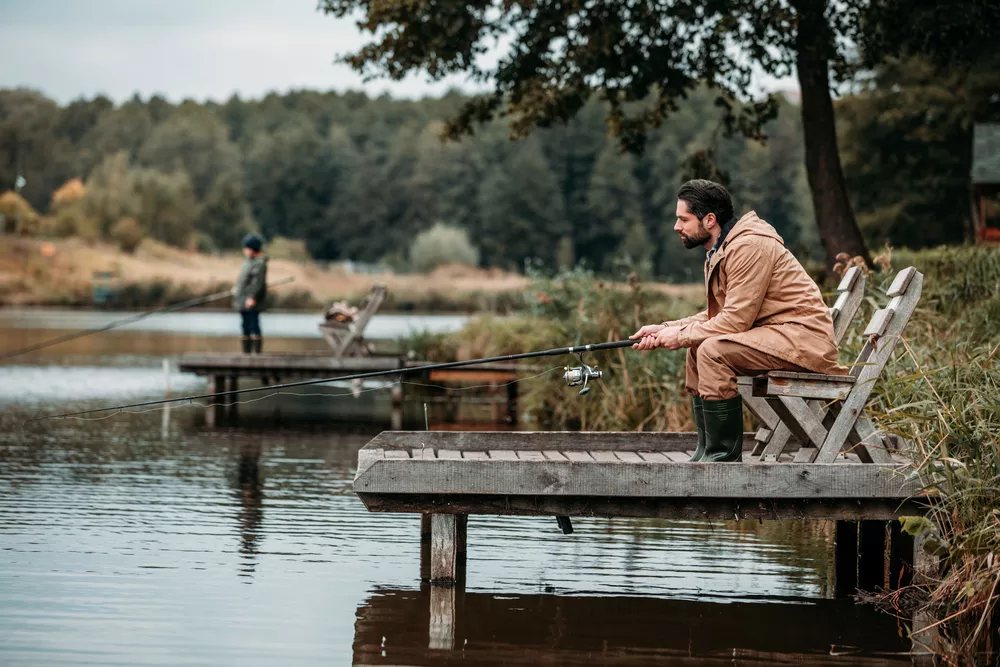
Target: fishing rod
<point x="574" y="377"/>
<point x="170" y="308"/>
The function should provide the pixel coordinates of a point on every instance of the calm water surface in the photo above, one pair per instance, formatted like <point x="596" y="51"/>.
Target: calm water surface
<point x="124" y="543"/>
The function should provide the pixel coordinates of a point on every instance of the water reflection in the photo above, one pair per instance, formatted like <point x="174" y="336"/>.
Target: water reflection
<point x="445" y="626"/>
<point x="250" y="492"/>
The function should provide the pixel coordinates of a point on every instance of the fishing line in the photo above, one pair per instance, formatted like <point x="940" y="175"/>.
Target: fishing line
<point x="580" y="375"/>
<point x="195" y="404"/>
<point x="170" y="308"/>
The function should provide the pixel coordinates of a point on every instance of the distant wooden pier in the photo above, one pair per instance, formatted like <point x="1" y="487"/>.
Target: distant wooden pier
<point x="225" y="371"/>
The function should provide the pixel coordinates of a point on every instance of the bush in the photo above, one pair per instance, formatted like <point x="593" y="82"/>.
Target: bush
<point x="127" y="234"/>
<point x="72" y="220"/>
<point x="442" y="245"/>
<point x="16" y="214"/>
<point x="291" y="249"/>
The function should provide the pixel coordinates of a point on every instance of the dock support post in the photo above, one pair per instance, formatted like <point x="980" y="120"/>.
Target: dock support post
<point x="234" y="385"/>
<point x="397" y="407"/>
<point x="425" y="547"/>
<point x="845" y="556"/>
<point x="872" y="552"/>
<point x="512" y="402"/>
<point x="213" y="413"/>
<point x="447" y="551"/>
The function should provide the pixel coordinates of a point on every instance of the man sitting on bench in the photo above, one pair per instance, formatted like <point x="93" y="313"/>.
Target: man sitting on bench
<point x="764" y="313"/>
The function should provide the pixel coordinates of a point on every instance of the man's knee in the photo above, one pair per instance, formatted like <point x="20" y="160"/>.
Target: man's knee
<point x="711" y="351"/>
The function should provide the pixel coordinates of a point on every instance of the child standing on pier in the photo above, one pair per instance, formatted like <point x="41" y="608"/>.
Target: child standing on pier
<point x="250" y="292"/>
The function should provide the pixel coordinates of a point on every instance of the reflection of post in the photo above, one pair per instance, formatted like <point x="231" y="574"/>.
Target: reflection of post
<point x="846" y="559"/>
<point x="925" y="570"/>
<point x="165" y="425"/>
<point x="512" y="402"/>
<point x="397" y="406"/>
<point x="442" y="624"/>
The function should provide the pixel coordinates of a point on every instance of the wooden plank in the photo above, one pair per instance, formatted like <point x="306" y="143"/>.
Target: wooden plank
<point x="578" y="456"/>
<point x="795" y="375"/>
<point x="824" y="387"/>
<point x="664" y="508"/>
<point x="628" y="457"/>
<point x="423" y="453"/>
<point x="902" y="281"/>
<point x="677" y="457"/>
<point x="653" y="457"/>
<point x="449" y="454"/>
<point x="554" y="456"/>
<point x="475" y="456"/>
<point x="800" y="419"/>
<point x="503" y="455"/>
<point x="531" y="456"/>
<point x="604" y="457"/>
<point x="586" y="477"/>
<point x="544" y="440"/>
<point x="880" y="320"/>
<point x="870" y="446"/>
<point x="397" y="454"/>
<point x="850" y="279"/>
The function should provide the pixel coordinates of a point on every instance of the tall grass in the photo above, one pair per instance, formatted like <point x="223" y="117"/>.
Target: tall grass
<point x="941" y="394"/>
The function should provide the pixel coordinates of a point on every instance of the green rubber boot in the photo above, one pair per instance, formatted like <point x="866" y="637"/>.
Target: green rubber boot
<point x="699" y="423"/>
<point x="723" y="430"/>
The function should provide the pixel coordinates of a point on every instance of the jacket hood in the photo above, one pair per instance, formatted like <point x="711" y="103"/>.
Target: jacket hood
<point x="750" y="224"/>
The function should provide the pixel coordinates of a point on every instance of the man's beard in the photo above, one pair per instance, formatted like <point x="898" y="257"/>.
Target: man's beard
<point x="699" y="239"/>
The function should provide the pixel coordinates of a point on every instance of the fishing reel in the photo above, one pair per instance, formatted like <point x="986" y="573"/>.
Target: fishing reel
<point x="581" y="375"/>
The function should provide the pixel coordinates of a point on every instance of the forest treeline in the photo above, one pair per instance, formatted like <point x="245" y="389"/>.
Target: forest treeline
<point x="360" y="178"/>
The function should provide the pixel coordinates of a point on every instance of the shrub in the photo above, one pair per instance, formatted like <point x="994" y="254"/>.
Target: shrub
<point x="72" y="220"/>
<point x="442" y="245"/>
<point x="16" y="214"/>
<point x="127" y="234"/>
<point x="290" y="249"/>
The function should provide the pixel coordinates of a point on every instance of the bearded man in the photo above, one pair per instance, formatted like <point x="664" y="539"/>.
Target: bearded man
<point x="764" y="313"/>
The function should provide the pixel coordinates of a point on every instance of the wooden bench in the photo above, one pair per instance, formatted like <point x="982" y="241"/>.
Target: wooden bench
<point x="825" y="412"/>
<point x="347" y="338"/>
<point x="851" y="292"/>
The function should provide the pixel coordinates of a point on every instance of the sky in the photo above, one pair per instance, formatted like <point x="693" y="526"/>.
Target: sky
<point x="190" y="49"/>
<point x="184" y="49"/>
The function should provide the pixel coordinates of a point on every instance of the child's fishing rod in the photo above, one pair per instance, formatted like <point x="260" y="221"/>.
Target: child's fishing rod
<point x="170" y="308"/>
<point x="580" y="375"/>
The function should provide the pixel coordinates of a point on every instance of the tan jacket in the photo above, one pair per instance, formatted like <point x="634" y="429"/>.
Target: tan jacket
<point x="760" y="296"/>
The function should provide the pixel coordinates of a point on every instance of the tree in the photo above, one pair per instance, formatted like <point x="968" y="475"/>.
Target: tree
<point x="290" y="178"/>
<point x="110" y="192"/>
<point x="225" y="215"/>
<point x="641" y="58"/>
<point x="168" y="207"/>
<point x="441" y="245"/>
<point x="909" y="155"/>
<point x="614" y="207"/>
<point x="521" y="211"/>
<point x="29" y="146"/>
<point x="196" y="141"/>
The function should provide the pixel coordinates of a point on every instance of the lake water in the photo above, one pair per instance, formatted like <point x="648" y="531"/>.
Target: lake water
<point x="122" y="543"/>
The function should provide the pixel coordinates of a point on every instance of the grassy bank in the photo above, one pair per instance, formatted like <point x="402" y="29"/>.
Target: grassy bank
<point x="941" y="393"/>
<point x="156" y="275"/>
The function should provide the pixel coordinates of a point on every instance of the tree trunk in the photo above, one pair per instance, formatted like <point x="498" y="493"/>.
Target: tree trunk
<point x="838" y="229"/>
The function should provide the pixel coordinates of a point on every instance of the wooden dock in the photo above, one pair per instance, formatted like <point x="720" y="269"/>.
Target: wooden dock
<point x="447" y="476"/>
<point x="225" y="371"/>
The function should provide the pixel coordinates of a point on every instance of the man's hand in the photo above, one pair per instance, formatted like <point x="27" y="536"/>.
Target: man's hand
<point x="656" y="336"/>
<point x="645" y="335"/>
<point x="251" y="302"/>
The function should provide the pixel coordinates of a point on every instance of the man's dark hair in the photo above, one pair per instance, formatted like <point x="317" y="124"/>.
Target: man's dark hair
<point x="703" y="197"/>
